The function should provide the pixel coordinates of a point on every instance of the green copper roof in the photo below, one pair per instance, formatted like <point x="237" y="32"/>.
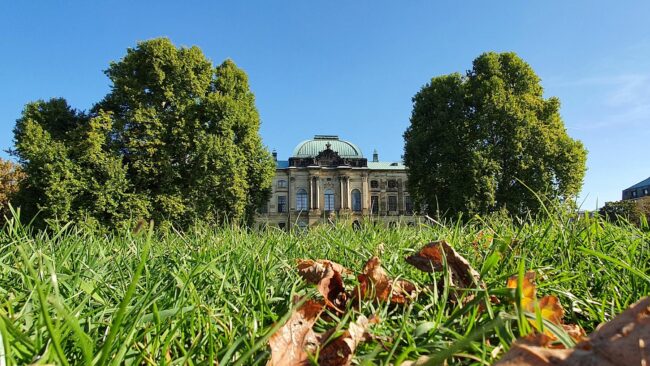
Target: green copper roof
<point x="311" y="148"/>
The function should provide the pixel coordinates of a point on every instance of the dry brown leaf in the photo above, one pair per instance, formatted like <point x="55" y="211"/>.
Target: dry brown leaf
<point x="327" y="276"/>
<point x="622" y="341"/>
<point x="430" y="258"/>
<point x="291" y="344"/>
<point x="460" y="273"/>
<point x="339" y="352"/>
<point x="399" y="291"/>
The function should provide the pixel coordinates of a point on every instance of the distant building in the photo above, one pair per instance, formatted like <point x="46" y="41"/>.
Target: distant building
<point x="638" y="190"/>
<point x="326" y="178"/>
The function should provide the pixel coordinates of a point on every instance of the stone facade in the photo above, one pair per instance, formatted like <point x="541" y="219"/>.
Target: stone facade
<point x="329" y="179"/>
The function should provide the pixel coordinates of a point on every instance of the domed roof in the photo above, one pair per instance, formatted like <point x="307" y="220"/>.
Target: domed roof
<point x="311" y="148"/>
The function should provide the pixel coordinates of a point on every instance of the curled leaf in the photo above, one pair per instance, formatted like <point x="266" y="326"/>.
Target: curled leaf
<point x="291" y="344"/>
<point x="459" y="274"/>
<point x="385" y="289"/>
<point x="430" y="258"/>
<point x="327" y="276"/>
<point x="339" y="351"/>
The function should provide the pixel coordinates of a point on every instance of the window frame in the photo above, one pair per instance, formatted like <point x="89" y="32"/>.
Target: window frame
<point x="282" y="206"/>
<point x="408" y="204"/>
<point x="374" y="204"/>
<point x="356" y="200"/>
<point x="392" y="203"/>
<point x="302" y="200"/>
<point x="329" y="200"/>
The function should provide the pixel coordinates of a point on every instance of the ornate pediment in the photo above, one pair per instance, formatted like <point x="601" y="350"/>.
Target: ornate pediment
<point x="329" y="157"/>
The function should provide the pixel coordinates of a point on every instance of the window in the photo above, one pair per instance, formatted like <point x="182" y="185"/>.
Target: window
<point x="408" y="204"/>
<point x="633" y="194"/>
<point x="329" y="200"/>
<point x="282" y="183"/>
<point x="301" y="200"/>
<point x="374" y="184"/>
<point x="374" y="204"/>
<point x="282" y="203"/>
<point x="645" y="191"/>
<point x="392" y="184"/>
<point x="282" y="225"/>
<point x="392" y="203"/>
<point x="356" y="200"/>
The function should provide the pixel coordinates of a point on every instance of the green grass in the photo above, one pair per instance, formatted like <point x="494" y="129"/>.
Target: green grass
<point x="212" y="296"/>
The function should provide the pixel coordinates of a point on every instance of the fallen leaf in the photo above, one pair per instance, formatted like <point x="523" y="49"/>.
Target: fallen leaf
<point x="551" y="310"/>
<point x="327" y="276"/>
<point x="528" y="292"/>
<point x="339" y="351"/>
<point x="291" y="344"/>
<point x="622" y="341"/>
<point x="549" y="306"/>
<point x="460" y="273"/>
<point x="385" y="289"/>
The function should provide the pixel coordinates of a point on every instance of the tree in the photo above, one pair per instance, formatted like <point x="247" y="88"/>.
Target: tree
<point x="489" y="140"/>
<point x="71" y="174"/>
<point x="11" y="177"/>
<point x="175" y="140"/>
<point x="629" y="210"/>
<point x="189" y="134"/>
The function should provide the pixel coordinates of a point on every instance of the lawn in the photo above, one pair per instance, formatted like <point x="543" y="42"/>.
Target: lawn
<point x="214" y="296"/>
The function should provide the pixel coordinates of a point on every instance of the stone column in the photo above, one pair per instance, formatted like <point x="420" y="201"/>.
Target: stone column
<point x="311" y="191"/>
<point x="348" y="193"/>
<point x="365" y="197"/>
<point x="317" y="200"/>
<point x="342" y="206"/>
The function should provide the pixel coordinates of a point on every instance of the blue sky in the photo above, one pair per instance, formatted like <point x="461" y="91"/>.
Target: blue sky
<point x="351" y="67"/>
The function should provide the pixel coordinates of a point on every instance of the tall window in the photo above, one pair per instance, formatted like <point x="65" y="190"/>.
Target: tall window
<point x="408" y="205"/>
<point x="633" y="194"/>
<point x="329" y="200"/>
<point x="301" y="200"/>
<point x="282" y="203"/>
<point x="392" y="203"/>
<point x="374" y="204"/>
<point x="282" y="183"/>
<point x="356" y="200"/>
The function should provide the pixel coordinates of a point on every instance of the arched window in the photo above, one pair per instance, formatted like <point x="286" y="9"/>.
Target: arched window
<point x="301" y="200"/>
<point x="356" y="200"/>
<point x="329" y="200"/>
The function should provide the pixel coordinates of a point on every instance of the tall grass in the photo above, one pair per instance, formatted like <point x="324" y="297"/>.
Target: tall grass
<point x="212" y="296"/>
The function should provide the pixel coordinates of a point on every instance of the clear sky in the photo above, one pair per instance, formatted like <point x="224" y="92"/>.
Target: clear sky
<point x="351" y="67"/>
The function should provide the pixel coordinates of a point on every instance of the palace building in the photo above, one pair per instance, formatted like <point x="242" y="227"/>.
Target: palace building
<point x="327" y="178"/>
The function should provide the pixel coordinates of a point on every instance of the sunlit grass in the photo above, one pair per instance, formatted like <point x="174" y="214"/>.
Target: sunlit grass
<point x="213" y="295"/>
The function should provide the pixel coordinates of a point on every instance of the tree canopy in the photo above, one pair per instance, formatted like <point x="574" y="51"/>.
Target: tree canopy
<point x="489" y="140"/>
<point x="174" y="140"/>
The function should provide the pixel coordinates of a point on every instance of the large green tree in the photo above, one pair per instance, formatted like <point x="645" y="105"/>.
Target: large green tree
<point x="489" y="140"/>
<point x="176" y="139"/>
<point x="71" y="174"/>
